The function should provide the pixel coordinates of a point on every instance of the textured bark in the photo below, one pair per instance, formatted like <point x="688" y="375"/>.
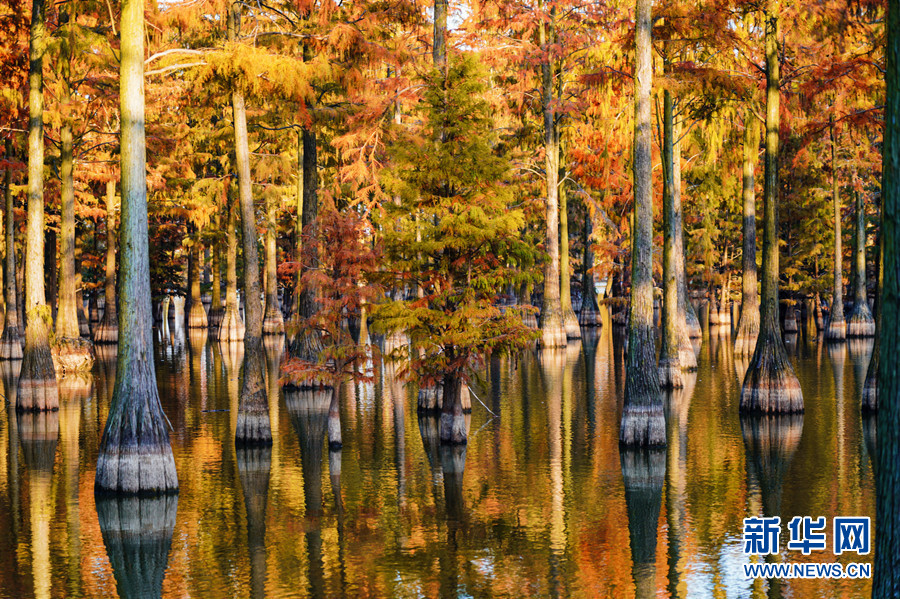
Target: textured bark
<point x="66" y="313"/>
<point x="669" y="354"/>
<point x="298" y="231"/>
<point x="453" y="420"/>
<point x="335" y="439"/>
<point x="108" y="329"/>
<point x="11" y="338"/>
<point x="137" y="533"/>
<point x="84" y="328"/>
<point x="687" y="318"/>
<point x="273" y="323"/>
<point x="439" y="47"/>
<point x="553" y="332"/>
<point x="196" y="313"/>
<point x="570" y="321"/>
<point x="216" y="308"/>
<point x="886" y="577"/>
<point x="869" y="401"/>
<point x="135" y="456"/>
<point x="37" y="382"/>
<point x="643" y="422"/>
<point x="860" y="323"/>
<point x="643" y="475"/>
<point x="231" y="328"/>
<point x="307" y="298"/>
<point x="589" y="316"/>
<point x="836" y="329"/>
<point x="770" y="385"/>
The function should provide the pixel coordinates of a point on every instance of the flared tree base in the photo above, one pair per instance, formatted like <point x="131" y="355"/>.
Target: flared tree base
<point x="770" y="385"/>
<point x="11" y="344"/>
<point x="231" y="328"/>
<point x="253" y="428"/>
<point x="37" y="388"/>
<point x="570" y="323"/>
<point x="307" y="345"/>
<point x="553" y="334"/>
<point x="643" y="425"/>
<point x="836" y="330"/>
<point x="670" y="374"/>
<point x="273" y="324"/>
<point x="107" y="331"/>
<point x="748" y="330"/>
<point x="73" y="356"/>
<point x="335" y="439"/>
<point x="453" y="429"/>
<point x="196" y="318"/>
<point x="861" y="323"/>
<point x="214" y="318"/>
<point x="590" y="318"/>
<point x="695" y="331"/>
<point x="431" y="400"/>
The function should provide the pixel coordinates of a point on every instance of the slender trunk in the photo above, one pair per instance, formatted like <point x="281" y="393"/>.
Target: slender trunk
<point x="643" y="423"/>
<point x="748" y="327"/>
<point x="589" y="315"/>
<point x="273" y="324"/>
<point x="108" y="329"/>
<point x="135" y="455"/>
<point x="453" y="420"/>
<point x="439" y="47"/>
<point x="37" y="381"/>
<point x="298" y="289"/>
<point x="687" y="318"/>
<point x="253" y="426"/>
<point x="570" y="321"/>
<point x="770" y="385"/>
<point x="860" y="323"/>
<point x="67" y="316"/>
<point x="836" y="330"/>
<point x="869" y="401"/>
<point x="215" y="305"/>
<point x="196" y="316"/>
<point x="11" y="339"/>
<point x="83" y="327"/>
<point x="231" y="328"/>
<point x="553" y="333"/>
<point x="669" y="353"/>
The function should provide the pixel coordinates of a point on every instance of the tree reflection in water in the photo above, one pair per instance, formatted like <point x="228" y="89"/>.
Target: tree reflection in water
<point x="643" y="472"/>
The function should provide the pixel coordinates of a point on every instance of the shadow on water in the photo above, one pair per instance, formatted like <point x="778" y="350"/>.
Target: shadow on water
<point x="137" y="533"/>
<point x="38" y="435"/>
<point x="770" y="442"/>
<point x="643" y="473"/>
<point x="254" y="464"/>
<point x="308" y="410"/>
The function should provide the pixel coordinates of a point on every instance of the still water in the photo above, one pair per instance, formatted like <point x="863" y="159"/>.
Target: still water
<point x="540" y="503"/>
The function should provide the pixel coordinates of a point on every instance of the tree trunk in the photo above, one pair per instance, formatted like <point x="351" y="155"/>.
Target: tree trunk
<point x="570" y="321"/>
<point x="589" y="316"/>
<point x="770" y="385"/>
<point x="643" y="423"/>
<point x="453" y="420"/>
<point x="231" y="328"/>
<point x="108" y="329"/>
<point x="11" y="339"/>
<point x="669" y="354"/>
<point x="687" y="318"/>
<point x="869" y="401"/>
<point x="135" y="455"/>
<point x="273" y="324"/>
<point x="83" y="327"/>
<point x="886" y="579"/>
<point x="196" y="316"/>
<point x="860" y="323"/>
<point x="553" y="332"/>
<point x="253" y="426"/>
<point x="71" y="353"/>
<point x="216" y="309"/>
<point x="298" y="289"/>
<point x="439" y="47"/>
<point x="836" y="330"/>
<point x="335" y="441"/>
<point x="37" y="380"/>
<point x="748" y="326"/>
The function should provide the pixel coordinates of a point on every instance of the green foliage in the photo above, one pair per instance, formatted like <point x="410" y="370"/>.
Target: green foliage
<point x="453" y="231"/>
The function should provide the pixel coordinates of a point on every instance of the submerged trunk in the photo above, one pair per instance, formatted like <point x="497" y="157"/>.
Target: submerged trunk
<point x="108" y="329"/>
<point x="37" y="381"/>
<point x="135" y="456"/>
<point x="860" y="323"/>
<point x="253" y="426"/>
<point x="196" y="316"/>
<point x="669" y="355"/>
<point x="11" y="339"/>
<point x="886" y="579"/>
<point x="836" y="330"/>
<point x="273" y="323"/>
<point x="748" y="326"/>
<point x="231" y="327"/>
<point x="335" y="440"/>
<point x="643" y="423"/>
<point x="453" y="420"/>
<point x="553" y="333"/>
<point x="770" y="385"/>
<point x="570" y="321"/>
